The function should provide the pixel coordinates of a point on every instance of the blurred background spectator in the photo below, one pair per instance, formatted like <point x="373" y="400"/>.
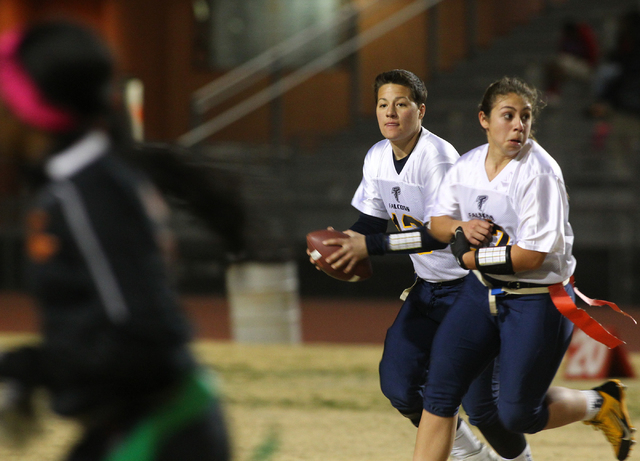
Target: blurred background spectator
<point x="578" y="54"/>
<point x="617" y="92"/>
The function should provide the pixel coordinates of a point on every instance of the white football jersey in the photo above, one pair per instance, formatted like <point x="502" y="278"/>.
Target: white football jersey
<point x="527" y="200"/>
<point x="408" y="197"/>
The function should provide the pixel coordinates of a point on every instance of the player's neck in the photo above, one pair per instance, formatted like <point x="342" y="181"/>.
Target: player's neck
<point x="495" y="163"/>
<point x="404" y="149"/>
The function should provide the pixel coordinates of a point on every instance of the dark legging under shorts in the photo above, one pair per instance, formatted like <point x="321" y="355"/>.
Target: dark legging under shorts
<point x="528" y="337"/>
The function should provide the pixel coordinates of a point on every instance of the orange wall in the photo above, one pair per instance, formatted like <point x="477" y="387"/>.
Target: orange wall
<point x="499" y="17"/>
<point x="452" y="33"/>
<point x="154" y="41"/>
<point x="11" y="13"/>
<point x="403" y="48"/>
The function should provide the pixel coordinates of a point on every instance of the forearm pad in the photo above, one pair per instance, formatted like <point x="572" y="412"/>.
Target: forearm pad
<point x="413" y="241"/>
<point x="494" y="260"/>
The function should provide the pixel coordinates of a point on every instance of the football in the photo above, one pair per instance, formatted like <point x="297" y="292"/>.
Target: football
<point x="318" y="251"/>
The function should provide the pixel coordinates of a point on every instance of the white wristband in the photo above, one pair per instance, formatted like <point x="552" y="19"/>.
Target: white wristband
<point x="404" y="241"/>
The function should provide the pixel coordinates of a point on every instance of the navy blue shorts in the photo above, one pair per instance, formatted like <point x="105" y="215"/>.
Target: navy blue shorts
<point x="404" y="367"/>
<point x="528" y="336"/>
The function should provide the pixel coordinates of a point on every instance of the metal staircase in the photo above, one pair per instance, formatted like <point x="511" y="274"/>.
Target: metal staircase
<point x="293" y="190"/>
<point x="605" y="211"/>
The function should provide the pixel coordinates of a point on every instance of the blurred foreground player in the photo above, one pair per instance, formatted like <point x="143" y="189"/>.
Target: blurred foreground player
<point x="114" y="352"/>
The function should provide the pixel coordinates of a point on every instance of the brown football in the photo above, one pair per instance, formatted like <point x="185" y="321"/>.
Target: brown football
<point x="362" y="270"/>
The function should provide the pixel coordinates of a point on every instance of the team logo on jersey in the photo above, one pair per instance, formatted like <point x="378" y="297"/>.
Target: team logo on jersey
<point x="480" y="201"/>
<point x="396" y="193"/>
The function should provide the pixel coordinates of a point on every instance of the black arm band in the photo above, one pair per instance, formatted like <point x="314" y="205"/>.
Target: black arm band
<point x="494" y="260"/>
<point x="413" y="241"/>
<point x="376" y="244"/>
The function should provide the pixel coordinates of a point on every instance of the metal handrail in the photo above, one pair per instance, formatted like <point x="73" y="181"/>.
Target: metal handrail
<point x="313" y="68"/>
<point x="251" y="71"/>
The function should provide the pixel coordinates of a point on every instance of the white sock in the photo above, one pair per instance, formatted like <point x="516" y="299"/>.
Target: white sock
<point x="465" y="443"/>
<point x="524" y="456"/>
<point x="594" y="403"/>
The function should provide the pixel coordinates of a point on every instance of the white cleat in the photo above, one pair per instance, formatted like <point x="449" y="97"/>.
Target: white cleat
<point x="484" y="454"/>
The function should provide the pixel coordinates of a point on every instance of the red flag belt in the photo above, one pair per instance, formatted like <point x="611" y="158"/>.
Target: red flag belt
<point x="581" y="318"/>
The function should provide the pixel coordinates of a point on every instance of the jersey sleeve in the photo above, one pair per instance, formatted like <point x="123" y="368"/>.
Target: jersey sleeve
<point x="446" y="201"/>
<point x="432" y="183"/>
<point x="542" y="213"/>
<point x="367" y="198"/>
<point x="367" y="225"/>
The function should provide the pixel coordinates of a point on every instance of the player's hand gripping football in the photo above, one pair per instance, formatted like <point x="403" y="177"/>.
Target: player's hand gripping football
<point x="354" y="250"/>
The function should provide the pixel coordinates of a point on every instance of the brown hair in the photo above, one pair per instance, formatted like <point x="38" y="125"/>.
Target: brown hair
<point x="404" y="78"/>
<point x="509" y="85"/>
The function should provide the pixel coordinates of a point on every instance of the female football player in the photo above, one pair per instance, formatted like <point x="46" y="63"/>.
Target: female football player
<point x="512" y="192"/>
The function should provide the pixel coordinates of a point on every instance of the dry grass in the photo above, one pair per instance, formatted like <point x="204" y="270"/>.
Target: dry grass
<point x="322" y="402"/>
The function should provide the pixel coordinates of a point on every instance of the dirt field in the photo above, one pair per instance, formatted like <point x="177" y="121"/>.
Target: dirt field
<point x="323" y="403"/>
